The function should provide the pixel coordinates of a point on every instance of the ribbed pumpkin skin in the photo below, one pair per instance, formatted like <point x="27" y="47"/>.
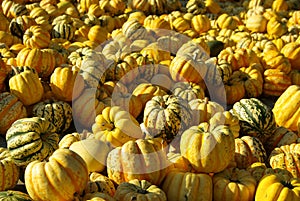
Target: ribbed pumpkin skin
<point x="277" y="187"/>
<point x="12" y="195"/>
<point x="116" y="126"/>
<point x="249" y="150"/>
<point x="42" y="60"/>
<point x="139" y="190"/>
<point x="9" y="171"/>
<point x="208" y="148"/>
<point x="30" y="139"/>
<point x="188" y="186"/>
<point x="11" y="109"/>
<point x="287" y="108"/>
<point x="20" y="24"/>
<point x="166" y="116"/>
<point x="97" y="196"/>
<point x="292" y="52"/>
<point x="234" y="184"/>
<point x="26" y="85"/>
<point x="286" y="157"/>
<point x="100" y="183"/>
<point x="64" y="174"/>
<point x="256" y="118"/>
<point x="141" y="159"/>
<point x="275" y="82"/>
<point x="59" y="113"/>
<point x="188" y="91"/>
<point x="36" y="37"/>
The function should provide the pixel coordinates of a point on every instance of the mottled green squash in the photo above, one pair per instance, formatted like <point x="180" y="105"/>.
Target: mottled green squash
<point x="13" y="195"/>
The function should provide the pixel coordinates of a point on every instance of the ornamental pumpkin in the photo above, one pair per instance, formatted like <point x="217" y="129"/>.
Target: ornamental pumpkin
<point x="139" y="190"/>
<point x="20" y="24"/>
<point x="292" y="52"/>
<point x="196" y="7"/>
<point x="59" y="113"/>
<point x="256" y="23"/>
<point x="146" y="91"/>
<point x="274" y="59"/>
<point x="143" y="159"/>
<point x="207" y="147"/>
<point x="188" y="91"/>
<point x="186" y="68"/>
<point x="226" y="21"/>
<point x="134" y="30"/>
<point x="11" y="109"/>
<point x="26" y="85"/>
<point x="281" y="136"/>
<point x="30" y="139"/>
<point x="93" y="152"/>
<point x="153" y="51"/>
<point x="234" y="184"/>
<point x="259" y="169"/>
<point x="286" y="108"/>
<point x="276" y="27"/>
<point x="275" y="82"/>
<point x="43" y="60"/>
<point x="63" y="30"/>
<point x="248" y="150"/>
<point x="14" y="195"/>
<point x="200" y="23"/>
<point x="57" y="173"/>
<point x="278" y="187"/>
<point x="188" y="186"/>
<point x="100" y="183"/>
<point x="36" y="37"/>
<point x="116" y="126"/>
<point x="9" y="171"/>
<point x="97" y="196"/>
<point x="66" y="83"/>
<point x="256" y="118"/>
<point x="203" y="110"/>
<point x="166" y="116"/>
<point x="68" y="139"/>
<point x="295" y="77"/>
<point x="286" y="157"/>
<point x="233" y="91"/>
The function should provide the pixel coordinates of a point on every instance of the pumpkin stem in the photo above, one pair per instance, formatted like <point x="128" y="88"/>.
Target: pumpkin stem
<point x="14" y="68"/>
<point x="142" y="191"/>
<point x="287" y="184"/>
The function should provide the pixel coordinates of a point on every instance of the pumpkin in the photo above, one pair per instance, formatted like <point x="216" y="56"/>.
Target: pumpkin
<point x="26" y="85"/>
<point x="42" y="60"/>
<point x="277" y="187"/>
<point x="286" y="157"/>
<point x="14" y="195"/>
<point x="9" y="170"/>
<point x="274" y="59"/>
<point x="116" y="126"/>
<point x="148" y="7"/>
<point x="86" y="107"/>
<point x="233" y="91"/>
<point x="232" y="184"/>
<point x="256" y="23"/>
<point x="100" y="183"/>
<point x="178" y="162"/>
<point x="286" y="108"/>
<point x="203" y="110"/>
<point x="200" y="23"/>
<point x="139" y="190"/>
<point x="251" y="78"/>
<point x="57" y="173"/>
<point x="196" y="7"/>
<point x="259" y="169"/>
<point x="248" y="150"/>
<point x="213" y="6"/>
<point x="292" y="52"/>
<point x="256" y="118"/>
<point x="66" y="83"/>
<point x="153" y="51"/>
<point x="68" y="139"/>
<point x="5" y="25"/>
<point x="204" y="146"/>
<point x="8" y="39"/>
<point x="63" y="30"/>
<point x="36" y="37"/>
<point x="188" y="90"/>
<point x="180" y="24"/>
<point x="276" y="28"/>
<point x="281" y="136"/>
<point x="146" y="91"/>
<point x="59" y="113"/>
<point x="143" y="159"/>
<point x="186" y="68"/>
<point x="30" y="139"/>
<point x="115" y="7"/>
<point x="134" y="30"/>
<point x="166" y="116"/>
<point x="188" y="186"/>
<point x="93" y="152"/>
<point x="226" y="21"/>
<point x="11" y="109"/>
<point x="275" y="82"/>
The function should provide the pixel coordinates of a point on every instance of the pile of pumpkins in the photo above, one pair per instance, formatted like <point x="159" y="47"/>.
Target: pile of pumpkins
<point x="149" y="100"/>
